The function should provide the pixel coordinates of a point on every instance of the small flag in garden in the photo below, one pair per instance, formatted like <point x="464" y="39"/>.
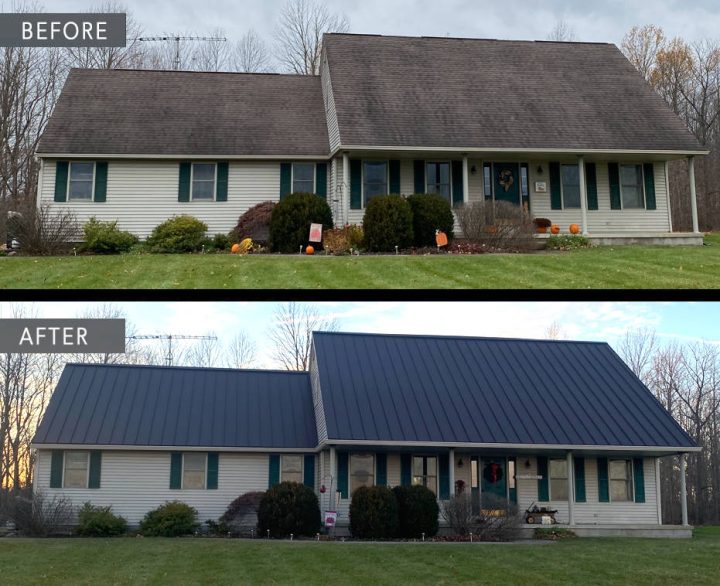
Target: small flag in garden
<point x="441" y="239"/>
<point x="316" y="232"/>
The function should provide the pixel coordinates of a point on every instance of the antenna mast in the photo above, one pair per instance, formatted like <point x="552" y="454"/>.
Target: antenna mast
<point x="176" y="39"/>
<point x="170" y="338"/>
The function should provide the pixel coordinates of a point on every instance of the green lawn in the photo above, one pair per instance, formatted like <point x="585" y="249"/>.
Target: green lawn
<point x="206" y="561"/>
<point x="639" y="267"/>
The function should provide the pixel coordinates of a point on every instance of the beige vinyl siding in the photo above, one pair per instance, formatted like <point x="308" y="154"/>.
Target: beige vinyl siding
<point x="330" y="111"/>
<point x="134" y="482"/>
<point x="604" y="220"/>
<point x="142" y="194"/>
<point x="593" y="512"/>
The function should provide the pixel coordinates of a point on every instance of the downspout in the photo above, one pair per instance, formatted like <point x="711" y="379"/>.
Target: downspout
<point x="693" y="196"/>
<point x="658" y="491"/>
<point x="683" y="489"/>
<point x="345" y="198"/>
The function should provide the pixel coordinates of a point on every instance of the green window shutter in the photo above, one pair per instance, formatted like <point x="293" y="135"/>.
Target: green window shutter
<point x="544" y="482"/>
<point x="95" y="468"/>
<point x="61" y="180"/>
<point x="444" y="476"/>
<point x="419" y="173"/>
<point x="356" y="184"/>
<point x="274" y="472"/>
<point x="184" y="188"/>
<point x="603" y="485"/>
<point x="101" y="172"/>
<point x="321" y="173"/>
<point x="406" y="469"/>
<point x="343" y="474"/>
<point x="579" y="466"/>
<point x="639" y="473"/>
<point x="395" y="177"/>
<point x="649" y="173"/>
<point x="175" y="471"/>
<point x="591" y="186"/>
<point x="458" y="195"/>
<point x="381" y="469"/>
<point x="213" y="468"/>
<point x="555" y="187"/>
<point x="614" y="177"/>
<point x="56" y="469"/>
<point x="309" y="470"/>
<point x="221" y="189"/>
<point x="285" y="180"/>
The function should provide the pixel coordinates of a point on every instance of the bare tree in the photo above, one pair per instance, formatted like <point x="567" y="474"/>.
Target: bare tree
<point x="563" y="32"/>
<point x="241" y="352"/>
<point x="555" y="331"/>
<point x="641" y="46"/>
<point x="250" y="54"/>
<point x="637" y="348"/>
<point x="205" y="353"/>
<point x="292" y="334"/>
<point x="300" y="33"/>
<point x="211" y="55"/>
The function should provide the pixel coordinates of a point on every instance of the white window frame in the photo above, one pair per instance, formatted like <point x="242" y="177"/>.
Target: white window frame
<point x="362" y="178"/>
<point x="302" y="467"/>
<point x="550" y="479"/>
<point x="562" y="187"/>
<point x="642" y="186"/>
<point x="292" y="176"/>
<point x="192" y="181"/>
<point x="69" y="182"/>
<point x="87" y="469"/>
<point x="450" y="169"/>
<point x="350" y="469"/>
<point x="425" y="476"/>
<point x="630" y="481"/>
<point x="205" y="469"/>
<point x="491" y="184"/>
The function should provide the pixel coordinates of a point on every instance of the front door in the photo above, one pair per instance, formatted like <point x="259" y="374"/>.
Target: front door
<point x="507" y="182"/>
<point x="493" y="481"/>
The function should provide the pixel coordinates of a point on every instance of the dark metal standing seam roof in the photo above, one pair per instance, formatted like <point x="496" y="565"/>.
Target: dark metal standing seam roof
<point x="388" y="388"/>
<point x="112" y="405"/>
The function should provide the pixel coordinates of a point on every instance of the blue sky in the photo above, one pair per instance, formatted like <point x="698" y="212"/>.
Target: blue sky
<point x="597" y="321"/>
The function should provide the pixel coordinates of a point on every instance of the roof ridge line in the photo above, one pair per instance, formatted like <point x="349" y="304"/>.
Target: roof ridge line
<point x="461" y="337"/>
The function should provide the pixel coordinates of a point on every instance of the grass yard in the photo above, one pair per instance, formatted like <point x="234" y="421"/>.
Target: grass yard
<point x="205" y="561"/>
<point x="630" y="267"/>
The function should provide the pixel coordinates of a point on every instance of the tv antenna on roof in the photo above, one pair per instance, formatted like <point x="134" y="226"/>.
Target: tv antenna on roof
<point x="169" y="338"/>
<point x="177" y="39"/>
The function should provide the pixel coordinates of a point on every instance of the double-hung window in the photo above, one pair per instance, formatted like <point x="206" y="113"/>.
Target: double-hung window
<point x="203" y="181"/>
<point x="303" y="178"/>
<point x="438" y="179"/>
<point x="570" y="175"/>
<point x="292" y="468"/>
<point x="375" y="179"/>
<point x="631" y="187"/>
<point x="362" y="471"/>
<point x="425" y="472"/>
<point x="194" y="471"/>
<point x="81" y="181"/>
<point x="76" y="469"/>
<point x="558" y="480"/>
<point x="621" y="480"/>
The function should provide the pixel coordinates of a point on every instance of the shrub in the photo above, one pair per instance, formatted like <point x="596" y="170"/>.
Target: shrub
<point x="388" y="223"/>
<point x="500" y="225"/>
<point x="45" y="231"/>
<point x="255" y="223"/>
<point x="106" y="238"/>
<point x="458" y="513"/>
<point x="431" y="212"/>
<point x="38" y="515"/>
<point x="553" y="534"/>
<point x="567" y="242"/>
<point x="221" y="242"/>
<point x="99" y="522"/>
<point x="291" y="219"/>
<point x="289" y="508"/>
<point x="498" y="520"/>
<point x="344" y="240"/>
<point x="374" y="513"/>
<point x="241" y="516"/>
<point x="177" y="235"/>
<point x="172" y="519"/>
<point x="417" y="511"/>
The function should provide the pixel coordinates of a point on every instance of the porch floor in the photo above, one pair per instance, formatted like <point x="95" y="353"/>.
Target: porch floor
<point x="643" y="531"/>
<point x="648" y="239"/>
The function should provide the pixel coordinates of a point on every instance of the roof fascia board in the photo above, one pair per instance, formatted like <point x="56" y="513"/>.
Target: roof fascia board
<point x="471" y="150"/>
<point x="130" y="448"/>
<point x="324" y="157"/>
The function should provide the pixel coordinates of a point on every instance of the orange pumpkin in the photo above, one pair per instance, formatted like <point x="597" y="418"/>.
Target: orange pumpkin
<point x="542" y="230"/>
<point x="555" y="229"/>
<point x="575" y="229"/>
<point x="310" y="250"/>
<point x="235" y="248"/>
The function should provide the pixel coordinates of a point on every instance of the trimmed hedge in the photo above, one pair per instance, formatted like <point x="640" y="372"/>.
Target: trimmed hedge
<point x="173" y="519"/>
<point x="289" y="508"/>
<point x="177" y="235"/>
<point x="106" y="238"/>
<point x="99" y="522"/>
<point x="418" y="512"/>
<point x="241" y="514"/>
<point x="374" y="513"/>
<point x="291" y="219"/>
<point x="255" y="223"/>
<point x="388" y="223"/>
<point x="431" y="212"/>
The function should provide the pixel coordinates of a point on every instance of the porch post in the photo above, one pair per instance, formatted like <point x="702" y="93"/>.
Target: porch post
<point x="658" y="490"/>
<point x="466" y="180"/>
<point x="571" y="489"/>
<point x="451" y="475"/>
<point x="345" y="197"/>
<point x="667" y="192"/>
<point x="683" y="489"/>
<point x="583" y="195"/>
<point x="332" y="490"/>
<point x="693" y="196"/>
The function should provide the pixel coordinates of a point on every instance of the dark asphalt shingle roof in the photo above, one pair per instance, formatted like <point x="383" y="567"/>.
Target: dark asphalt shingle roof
<point x="141" y="112"/>
<point x="490" y="391"/>
<point x="179" y="407"/>
<point x="471" y="93"/>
